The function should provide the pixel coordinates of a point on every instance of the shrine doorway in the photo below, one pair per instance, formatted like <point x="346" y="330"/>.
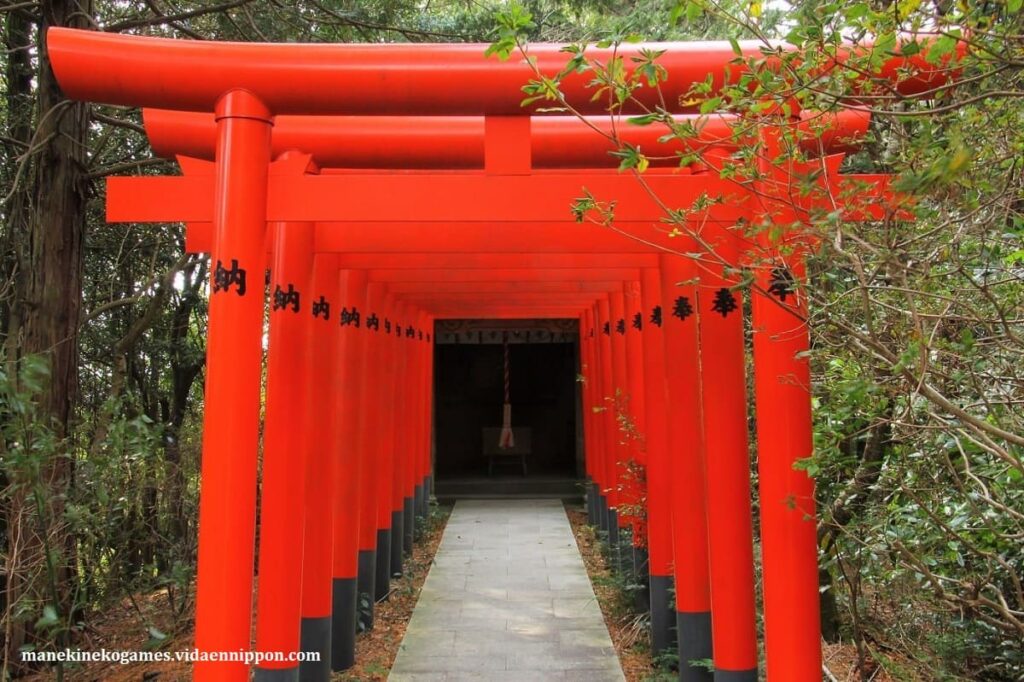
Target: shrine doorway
<point x="469" y="389"/>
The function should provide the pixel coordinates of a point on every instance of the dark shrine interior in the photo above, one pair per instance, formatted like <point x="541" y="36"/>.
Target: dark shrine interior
<point x="469" y="397"/>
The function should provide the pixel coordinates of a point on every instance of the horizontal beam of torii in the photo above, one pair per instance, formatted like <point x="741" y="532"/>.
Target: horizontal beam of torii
<point x="506" y="313"/>
<point x="554" y="290"/>
<point x="458" y="142"/>
<point x="420" y="198"/>
<point x="475" y="276"/>
<point x="414" y="79"/>
<point x="496" y="261"/>
<point x="493" y="199"/>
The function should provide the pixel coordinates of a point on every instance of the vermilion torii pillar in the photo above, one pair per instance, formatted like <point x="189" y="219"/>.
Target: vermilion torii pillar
<point x="368" y="439"/>
<point x="407" y="429"/>
<point x="782" y="387"/>
<point x="718" y="308"/>
<point x="227" y="510"/>
<point x="381" y="441"/>
<point x="286" y="448"/>
<point x="594" y="406"/>
<point x="596" y="449"/>
<point x="618" y="406"/>
<point x="318" y="556"/>
<point x="659" y="513"/>
<point x="347" y="473"/>
<point x="407" y="419"/>
<point x="397" y="441"/>
<point x="425" y="395"/>
<point x="610" y="459"/>
<point x="636" y="483"/>
<point x="586" y="382"/>
<point x="686" y="445"/>
<point x="244" y="85"/>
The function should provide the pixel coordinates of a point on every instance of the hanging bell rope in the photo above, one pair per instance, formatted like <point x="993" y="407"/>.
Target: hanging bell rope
<point x="506" y="440"/>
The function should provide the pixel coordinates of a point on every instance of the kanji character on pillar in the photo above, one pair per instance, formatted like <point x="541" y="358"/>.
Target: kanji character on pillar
<point x="284" y="299"/>
<point x="322" y="307"/>
<point x="781" y="283"/>
<point x="725" y="302"/>
<point x="656" y="315"/>
<point x="223" y="278"/>
<point x="350" y="317"/>
<point x="682" y="308"/>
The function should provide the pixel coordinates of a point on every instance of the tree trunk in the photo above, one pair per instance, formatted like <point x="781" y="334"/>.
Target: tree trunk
<point x="186" y="367"/>
<point x="46" y="320"/>
<point x="18" y="75"/>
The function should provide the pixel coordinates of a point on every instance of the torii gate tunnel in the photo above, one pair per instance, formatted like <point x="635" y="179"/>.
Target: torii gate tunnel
<point x="389" y="186"/>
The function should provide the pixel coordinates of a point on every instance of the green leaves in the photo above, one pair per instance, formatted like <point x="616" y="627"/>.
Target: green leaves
<point x="647" y="68"/>
<point x="646" y="119"/>
<point x="942" y="48"/>
<point x="632" y="158"/>
<point x="48" y="620"/>
<point x="588" y="208"/>
<point x="542" y="89"/>
<point x="691" y="10"/>
<point x="512" y="23"/>
<point x="950" y="164"/>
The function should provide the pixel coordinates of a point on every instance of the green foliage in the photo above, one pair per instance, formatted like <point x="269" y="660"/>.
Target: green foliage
<point x="512" y="22"/>
<point x="30" y="446"/>
<point x="665" y="664"/>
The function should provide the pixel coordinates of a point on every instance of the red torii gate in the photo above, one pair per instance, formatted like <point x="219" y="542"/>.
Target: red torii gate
<point x="695" y="645"/>
<point x="320" y="218"/>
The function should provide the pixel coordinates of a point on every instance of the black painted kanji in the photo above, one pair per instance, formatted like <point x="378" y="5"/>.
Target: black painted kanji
<point x="725" y="302"/>
<point x="420" y="334"/>
<point x="322" y="307"/>
<point x="350" y="317"/>
<point x="620" y="326"/>
<point x="638" y="322"/>
<point x="682" y="308"/>
<point x="373" y="322"/>
<point x="410" y="333"/>
<point x="387" y="326"/>
<point x="283" y="299"/>
<point x="607" y="329"/>
<point x="781" y="283"/>
<point x="428" y="337"/>
<point x="656" y="315"/>
<point x="224" y="278"/>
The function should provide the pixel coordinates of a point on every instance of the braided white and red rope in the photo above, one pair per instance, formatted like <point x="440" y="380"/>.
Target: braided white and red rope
<point x="506" y="440"/>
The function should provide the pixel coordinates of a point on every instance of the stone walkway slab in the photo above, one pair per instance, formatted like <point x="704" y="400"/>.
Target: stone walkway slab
<point x="508" y="598"/>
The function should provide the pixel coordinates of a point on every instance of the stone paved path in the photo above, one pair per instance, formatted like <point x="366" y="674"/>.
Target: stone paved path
<point x="508" y="598"/>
